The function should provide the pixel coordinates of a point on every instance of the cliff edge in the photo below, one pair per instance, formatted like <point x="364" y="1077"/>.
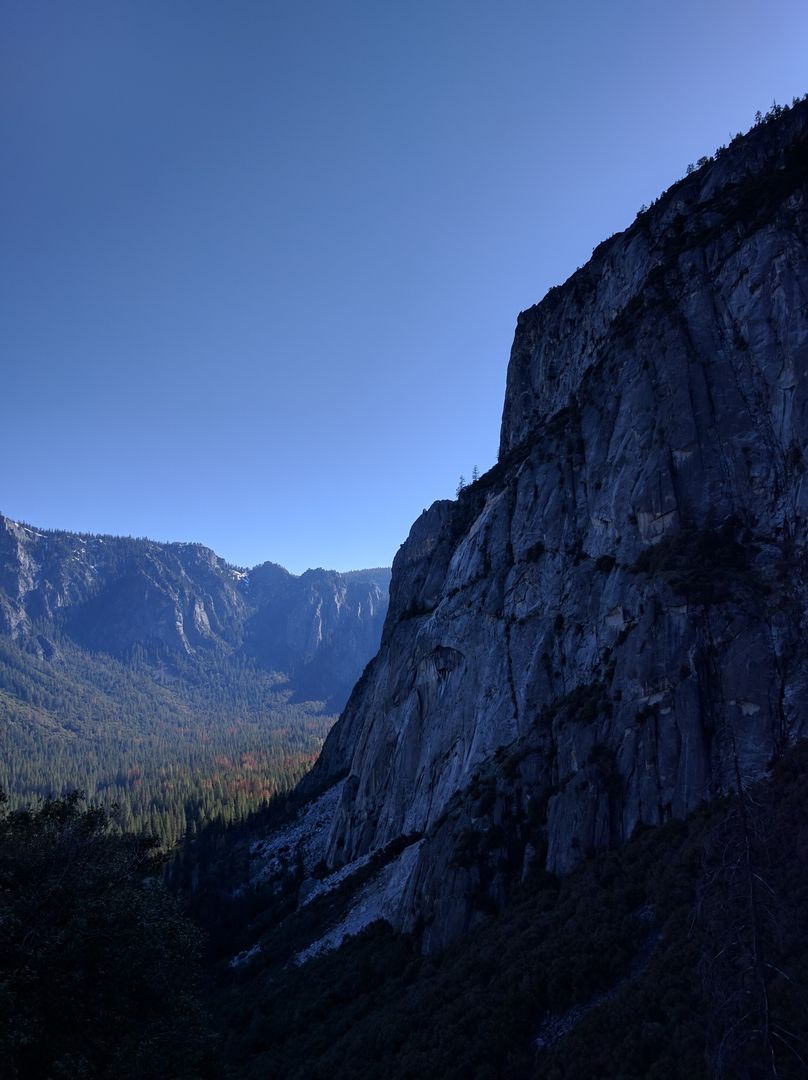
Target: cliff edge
<point x="608" y="627"/>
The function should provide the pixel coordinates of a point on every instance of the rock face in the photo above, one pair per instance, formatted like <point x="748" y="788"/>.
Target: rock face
<point x="610" y="626"/>
<point x="116" y="594"/>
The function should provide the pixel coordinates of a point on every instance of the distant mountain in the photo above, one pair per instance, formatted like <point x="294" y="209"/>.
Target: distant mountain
<point x="104" y="634"/>
<point x="379" y="575"/>
<point x="115" y="594"/>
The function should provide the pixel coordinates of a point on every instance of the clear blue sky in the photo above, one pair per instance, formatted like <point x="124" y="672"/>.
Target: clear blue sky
<point x="260" y="262"/>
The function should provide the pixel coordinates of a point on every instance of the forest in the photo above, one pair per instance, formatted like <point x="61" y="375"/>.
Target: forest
<point x="171" y="742"/>
<point x="99" y="970"/>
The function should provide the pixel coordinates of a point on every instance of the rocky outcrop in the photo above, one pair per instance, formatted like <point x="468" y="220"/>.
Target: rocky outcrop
<point x="118" y="594"/>
<point x="322" y="628"/>
<point x="609" y="627"/>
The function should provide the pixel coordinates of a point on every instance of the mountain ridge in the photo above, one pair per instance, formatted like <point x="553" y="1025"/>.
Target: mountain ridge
<point x="106" y="592"/>
<point x="161" y="677"/>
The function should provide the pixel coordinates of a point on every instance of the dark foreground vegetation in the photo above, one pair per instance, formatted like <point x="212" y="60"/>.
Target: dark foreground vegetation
<point x="682" y="955"/>
<point x="99" y="970"/>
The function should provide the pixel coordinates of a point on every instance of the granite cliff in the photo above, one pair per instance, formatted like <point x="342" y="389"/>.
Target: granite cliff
<point x="608" y="627"/>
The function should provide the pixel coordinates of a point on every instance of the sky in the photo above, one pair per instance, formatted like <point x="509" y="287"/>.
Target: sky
<point x="261" y="262"/>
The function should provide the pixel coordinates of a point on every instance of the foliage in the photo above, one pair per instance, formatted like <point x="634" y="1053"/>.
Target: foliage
<point x="97" y="966"/>
<point x="773" y="113"/>
<point x="175" y="742"/>
<point x="620" y="970"/>
<point x="706" y="566"/>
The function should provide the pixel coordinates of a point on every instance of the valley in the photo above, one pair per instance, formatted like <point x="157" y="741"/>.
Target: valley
<point x="161" y="679"/>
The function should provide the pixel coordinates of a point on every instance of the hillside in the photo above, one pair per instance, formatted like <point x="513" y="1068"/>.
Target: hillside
<point x="159" y="677"/>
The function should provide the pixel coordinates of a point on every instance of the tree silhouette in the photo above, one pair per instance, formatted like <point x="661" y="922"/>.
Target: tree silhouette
<point x="97" y="965"/>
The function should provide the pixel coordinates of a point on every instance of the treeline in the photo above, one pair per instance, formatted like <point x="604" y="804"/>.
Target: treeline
<point x="173" y="742"/>
<point x="774" y="112"/>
